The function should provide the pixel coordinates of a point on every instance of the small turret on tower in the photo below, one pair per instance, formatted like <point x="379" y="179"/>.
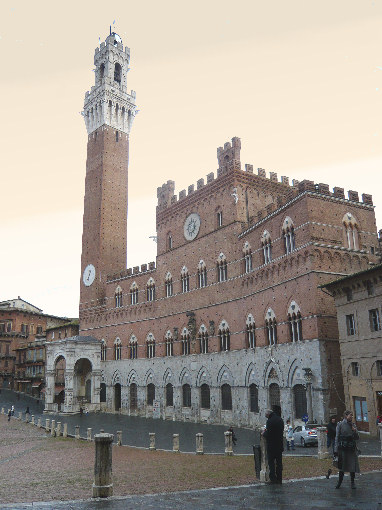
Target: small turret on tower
<point x="229" y="156"/>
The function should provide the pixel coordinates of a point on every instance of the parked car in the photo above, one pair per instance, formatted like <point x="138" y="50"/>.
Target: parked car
<point x="305" y="435"/>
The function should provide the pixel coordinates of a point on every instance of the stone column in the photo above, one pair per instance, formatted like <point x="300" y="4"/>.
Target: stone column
<point x="322" y="448"/>
<point x="119" y="437"/>
<point x="49" y="390"/>
<point x="264" y="473"/>
<point x="32" y="419"/>
<point x="152" y="441"/>
<point x="89" y="435"/>
<point x="69" y="405"/>
<point x="77" y="432"/>
<point x="65" y="433"/>
<point x="96" y="387"/>
<point x="228" y="443"/>
<point x="175" y="443"/>
<point x="58" y="430"/>
<point x="199" y="444"/>
<point x="103" y="466"/>
<point x="380" y="434"/>
<point x="53" y="428"/>
<point x="47" y="421"/>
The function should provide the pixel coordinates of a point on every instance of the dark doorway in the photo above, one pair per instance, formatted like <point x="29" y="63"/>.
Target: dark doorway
<point x="117" y="397"/>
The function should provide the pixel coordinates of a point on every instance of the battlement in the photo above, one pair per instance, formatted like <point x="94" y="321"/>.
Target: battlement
<point x="132" y="271"/>
<point x="229" y="159"/>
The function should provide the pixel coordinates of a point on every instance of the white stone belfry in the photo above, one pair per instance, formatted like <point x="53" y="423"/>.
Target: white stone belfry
<point x="82" y="355"/>
<point x="108" y="102"/>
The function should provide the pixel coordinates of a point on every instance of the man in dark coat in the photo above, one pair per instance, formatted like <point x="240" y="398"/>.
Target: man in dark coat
<point x="273" y="433"/>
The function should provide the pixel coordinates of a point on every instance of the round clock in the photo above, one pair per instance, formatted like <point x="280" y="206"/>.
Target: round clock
<point x="89" y="275"/>
<point x="191" y="226"/>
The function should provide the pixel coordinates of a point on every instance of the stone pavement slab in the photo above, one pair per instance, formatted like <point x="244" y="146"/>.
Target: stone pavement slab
<point x="312" y="494"/>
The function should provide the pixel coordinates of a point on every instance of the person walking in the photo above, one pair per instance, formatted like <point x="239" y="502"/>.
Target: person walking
<point x="331" y="429"/>
<point x="345" y="448"/>
<point x="9" y="414"/>
<point x="234" y="438"/>
<point x="289" y="437"/>
<point x="274" y="434"/>
<point x="13" y="410"/>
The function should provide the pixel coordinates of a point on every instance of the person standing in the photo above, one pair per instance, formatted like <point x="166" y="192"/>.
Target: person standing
<point x="331" y="429"/>
<point x="345" y="448"/>
<point x="13" y="410"/>
<point x="234" y="438"/>
<point x="289" y="437"/>
<point x="274" y="433"/>
<point x="9" y="415"/>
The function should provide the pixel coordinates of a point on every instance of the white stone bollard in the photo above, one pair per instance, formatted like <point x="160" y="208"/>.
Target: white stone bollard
<point x="53" y="428"/>
<point x="264" y="473"/>
<point x="77" y="432"/>
<point x="32" y="420"/>
<point x="20" y="415"/>
<point x="175" y="443"/>
<point x="199" y="444"/>
<point x="58" y="429"/>
<point x="228" y="443"/>
<point x="89" y="436"/>
<point x="152" y="441"/>
<point x="47" y="421"/>
<point x="103" y="480"/>
<point x="119" y="437"/>
<point x="2" y="410"/>
<point x="322" y="442"/>
<point x="39" y="422"/>
<point x="65" y="433"/>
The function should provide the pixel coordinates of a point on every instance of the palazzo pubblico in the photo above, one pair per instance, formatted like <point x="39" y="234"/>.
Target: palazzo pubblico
<point x="229" y="320"/>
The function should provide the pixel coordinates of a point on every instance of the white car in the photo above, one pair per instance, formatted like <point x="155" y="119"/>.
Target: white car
<point x="305" y="435"/>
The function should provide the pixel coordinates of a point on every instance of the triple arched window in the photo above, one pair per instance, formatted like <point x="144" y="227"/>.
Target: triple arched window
<point x="203" y="339"/>
<point x="134" y="293"/>
<point x="150" y="290"/>
<point x="251" y="331"/>
<point x="224" y="336"/>
<point x="133" y="347"/>
<point x="295" y="322"/>
<point x="202" y="274"/>
<point x="150" y="346"/>
<point x="267" y="246"/>
<point x="288" y="234"/>
<point x="351" y="231"/>
<point x="186" y="343"/>
<point x="117" y="349"/>
<point x="222" y="268"/>
<point x="168" y="285"/>
<point x="118" y="297"/>
<point x="185" y="279"/>
<point x="169" y="341"/>
<point x="271" y="327"/>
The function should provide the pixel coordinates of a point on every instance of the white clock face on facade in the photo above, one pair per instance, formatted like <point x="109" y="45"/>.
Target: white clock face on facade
<point x="89" y="275"/>
<point x="191" y="226"/>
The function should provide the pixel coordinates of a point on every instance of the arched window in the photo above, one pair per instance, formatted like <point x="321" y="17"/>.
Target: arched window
<point x="274" y="397"/>
<point x="219" y="218"/>
<point x="300" y="404"/>
<point x="103" y="350"/>
<point x="226" y="396"/>
<point x="186" y="344"/>
<point x="288" y="234"/>
<point x="150" y="394"/>
<point x="133" y="396"/>
<point x="267" y="246"/>
<point x="271" y="327"/>
<point x="203" y="339"/>
<point x="251" y="331"/>
<point x="351" y="231"/>
<point x="169" y="344"/>
<point x="224" y="336"/>
<point x="102" y="393"/>
<point x="133" y="347"/>
<point x="134" y="294"/>
<point x="202" y="274"/>
<point x="101" y="71"/>
<point x="150" y="290"/>
<point x="186" y="395"/>
<point x="253" y="398"/>
<point x="295" y="322"/>
<point x="169" y="395"/>
<point x="247" y="257"/>
<point x="118" y="297"/>
<point x="150" y="346"/>
<point x="169" y="241"/>
<point x="168" y="284"/>
<point x="185" y="279"/>
<point x="117" y="73"/>
<point x="117" y="349"/>
<point x="205" y="401"/>
<point x="222" y="268"/>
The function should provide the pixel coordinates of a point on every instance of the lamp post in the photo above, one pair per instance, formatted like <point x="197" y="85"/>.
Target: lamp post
<point x="308" y="376"/>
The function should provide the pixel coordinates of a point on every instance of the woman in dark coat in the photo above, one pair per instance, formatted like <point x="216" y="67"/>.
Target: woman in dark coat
<point x="346" y="449"/>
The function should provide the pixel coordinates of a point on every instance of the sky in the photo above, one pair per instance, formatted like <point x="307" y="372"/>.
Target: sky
<point x="300" y="82"/>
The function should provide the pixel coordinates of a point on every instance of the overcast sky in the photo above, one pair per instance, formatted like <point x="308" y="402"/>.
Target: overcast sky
<point x="300" y="83"/>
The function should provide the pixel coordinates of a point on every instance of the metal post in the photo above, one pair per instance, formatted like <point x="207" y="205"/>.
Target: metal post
<point x="65" y="433"/>
<point x="47" y="421"/>
<point x="199" y="444"/>
<point x="103" y="466"/>
<point x="119" y="437"/>
<point x="228" y="443"/>
<point x="322" y="444"/>
<point x="152" y="441"/>
<point x="175" y="443"/>
<point x="89" y="436"/>
<point x="53" y="428"/>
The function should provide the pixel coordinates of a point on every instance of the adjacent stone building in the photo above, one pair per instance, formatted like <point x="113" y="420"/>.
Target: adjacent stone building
<point x="358" y="299"/>
<point x="229" y="320"/>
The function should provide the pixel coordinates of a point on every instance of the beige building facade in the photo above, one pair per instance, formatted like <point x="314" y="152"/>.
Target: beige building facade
<point x="358" y="299"/>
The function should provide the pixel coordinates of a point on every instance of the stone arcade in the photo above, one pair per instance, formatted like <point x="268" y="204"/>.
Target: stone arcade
<point x="229" y="320"/>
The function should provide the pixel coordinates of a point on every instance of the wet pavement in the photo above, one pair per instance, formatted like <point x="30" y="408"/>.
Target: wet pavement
<point x="312" y="494"/>
<point x="135" y="430"/>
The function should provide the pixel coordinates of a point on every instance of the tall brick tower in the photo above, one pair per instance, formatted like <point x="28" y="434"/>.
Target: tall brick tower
<point x="108" y="112"/>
